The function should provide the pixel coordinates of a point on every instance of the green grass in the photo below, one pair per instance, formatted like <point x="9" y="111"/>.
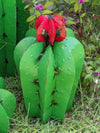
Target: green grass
<point x="84" y="116"/>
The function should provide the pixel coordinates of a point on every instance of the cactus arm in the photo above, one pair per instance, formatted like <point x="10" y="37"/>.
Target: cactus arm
<point x="8" y="102"/>
<point x="63" y="79"/>
<point x="46" y="82"/>
<point x="2" y="83"/>
<point x="4" y="122"/>
<point x="2" y="44"/>
<point x="77" y="51"/>
<point x="1" y="18"/>
<point x="31" y="32"/>
<point x="70" y="32"/>
<point x="22" y="26"/>
<point x="10" y="33"/>
<point x="29" y="78"/>
<point x="21" y="47"/>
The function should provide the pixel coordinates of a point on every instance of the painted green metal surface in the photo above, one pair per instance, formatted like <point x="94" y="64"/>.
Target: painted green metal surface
<point x="47" y="83"/>
<point x="70" y="32"/>
<point x="7" y="36"/>
<point x="2" y="83"/>
<point x="11" y="14"/>
<point x="22" y="26"/>
<point x="63" y="79"/>
<point x="4" y="122"/>
<point x="21" y="47"/>
<point x="8" y="102"/>
<point x="2" y="57"/>
<point x="29" y="76"/>
<point x="49" y="76"/>
<point x="2" y="44"/>
<point x="31" y="32"/>
<point x="51" y="104"/>
<point x="77" y="51"/>
<point x="7" y="107"/>
<point x="10" y="33"/>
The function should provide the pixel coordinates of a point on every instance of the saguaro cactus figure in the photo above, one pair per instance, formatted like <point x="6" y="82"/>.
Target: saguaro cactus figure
<point x="49" y="69"/>
<point x="7" y="107"/>
<point x="2" y="83"/>
<point x="11" y="14"/>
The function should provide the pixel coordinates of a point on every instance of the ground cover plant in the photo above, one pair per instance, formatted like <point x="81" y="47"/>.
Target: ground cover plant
<point x="85" y="114"/>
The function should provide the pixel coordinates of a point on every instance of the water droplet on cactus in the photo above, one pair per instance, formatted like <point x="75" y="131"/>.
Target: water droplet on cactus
<point x="63" y="60"/>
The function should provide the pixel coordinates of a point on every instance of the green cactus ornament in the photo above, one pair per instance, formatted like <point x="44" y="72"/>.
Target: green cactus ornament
<point x="49" y="73"/>
<point x="7" y="107"/>
<point x="2" y="83"/>
<point x="13" y="27"/>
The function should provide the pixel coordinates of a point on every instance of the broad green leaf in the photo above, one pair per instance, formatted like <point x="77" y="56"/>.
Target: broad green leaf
<point x="71" y="1"/>
<point x="76" y="7"/>
<point x="70" y="22"/>
<point x="81" y="21"/>
<point x="82" y="15"/>
<point x="79" y="7"/>
<point x="26" y="7"/>
<point x="43" y="2"/>
<point x="48" y="3"/>
<point x="70" y="18"/>
<point x="37" y="13"/>
<point x="86" y="0"/>
<point x="31" y="18"/>
<point x="31" y="10"/>
<point x="47" y="12"/>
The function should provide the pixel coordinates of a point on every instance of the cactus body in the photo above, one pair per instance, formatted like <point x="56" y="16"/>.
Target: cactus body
<point x="44" y="73"/>
<point x="9" y="34"/>
<point x="77" y="52"/>
<point x="2" y="83"/>
<point x="22" y="26"/>
<point x="8" y="102"/>
<point x="22" y="46"/>
<point x="4" y="122"/>
<point x="31" y="32"/>
<point x="7" y="107"/>
<point x="70" y="32"/>
<point x="49" y="75"/>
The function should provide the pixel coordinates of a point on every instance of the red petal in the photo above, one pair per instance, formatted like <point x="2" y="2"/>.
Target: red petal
<point x="61" y="31"/>
<point x="59" y="17"/>
<point x="39" y="20"/>
<point x="50" y="28"/>
<point x="40" y="32"/>
<point x="57" y="23"/>
<point x="51" y="32"/>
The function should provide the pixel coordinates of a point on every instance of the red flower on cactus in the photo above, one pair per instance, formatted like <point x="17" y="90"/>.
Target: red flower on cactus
<point x="50" y="28"/>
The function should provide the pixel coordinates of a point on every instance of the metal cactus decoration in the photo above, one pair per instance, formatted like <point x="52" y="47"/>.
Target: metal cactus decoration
<point x="11" y="14"/>
<point x="7" y="107"/>
<point x="49" y="66"/>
